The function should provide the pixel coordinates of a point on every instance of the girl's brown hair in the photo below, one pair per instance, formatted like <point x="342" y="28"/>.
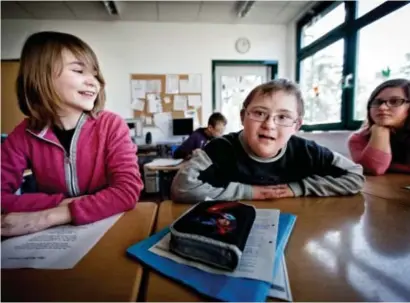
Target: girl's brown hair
<point x="269" y="88"/>
<point x="404" y="84"/>
<point x="41" y="59"/>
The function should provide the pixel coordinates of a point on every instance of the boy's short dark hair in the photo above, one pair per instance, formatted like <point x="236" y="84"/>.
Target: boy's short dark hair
<point x="216" y="118"/>
<point x="273" y="86"/>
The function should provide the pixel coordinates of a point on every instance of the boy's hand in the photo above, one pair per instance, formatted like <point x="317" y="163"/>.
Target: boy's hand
<point x="272" y="192"/>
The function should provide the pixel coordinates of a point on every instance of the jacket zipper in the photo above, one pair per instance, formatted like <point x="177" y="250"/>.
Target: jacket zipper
<point x="69" y="168"/>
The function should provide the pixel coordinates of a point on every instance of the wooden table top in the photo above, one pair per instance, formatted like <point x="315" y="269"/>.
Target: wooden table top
<point x="104" y="274"/>
<point x="389" y="186"/>
<point x="353" y="248"/>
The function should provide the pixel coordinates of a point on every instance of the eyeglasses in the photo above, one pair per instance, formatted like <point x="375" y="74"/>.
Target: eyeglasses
<point x="393" y="102"/>
<point x="279" y="119"/>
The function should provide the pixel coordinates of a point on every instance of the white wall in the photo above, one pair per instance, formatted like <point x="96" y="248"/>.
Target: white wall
<point x="334" y="140"/>
<point x="141" y="47"/>
<point x="291" y="50"/>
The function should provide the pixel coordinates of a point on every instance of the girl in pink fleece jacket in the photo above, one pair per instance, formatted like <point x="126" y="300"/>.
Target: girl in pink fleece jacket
<point x="383" y="144"/>
<point x="83" y="158"/>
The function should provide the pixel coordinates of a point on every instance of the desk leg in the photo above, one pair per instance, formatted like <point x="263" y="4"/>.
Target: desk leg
<point x="161" y="185"/>
<point x="165" y="181"/>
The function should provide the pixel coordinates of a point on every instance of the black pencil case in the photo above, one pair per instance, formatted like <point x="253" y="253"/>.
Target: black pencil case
<point x="214" y="233"/>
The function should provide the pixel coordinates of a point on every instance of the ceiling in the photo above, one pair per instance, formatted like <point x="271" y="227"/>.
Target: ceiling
<point x="261" y="12"/>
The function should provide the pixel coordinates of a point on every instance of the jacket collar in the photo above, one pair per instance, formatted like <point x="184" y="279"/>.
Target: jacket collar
<point x="48" y="134"/>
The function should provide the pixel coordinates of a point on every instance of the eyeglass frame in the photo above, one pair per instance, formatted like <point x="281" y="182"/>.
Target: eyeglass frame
<point x="386" y="101"/>
<point x="270" y="116"/>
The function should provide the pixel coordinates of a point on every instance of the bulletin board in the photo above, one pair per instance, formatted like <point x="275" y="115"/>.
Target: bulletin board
<point x="169" y="90"/>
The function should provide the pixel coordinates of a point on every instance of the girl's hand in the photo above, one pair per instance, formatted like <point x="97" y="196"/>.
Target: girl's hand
<point x="379" y="130"/>
<point x="16" y="224"/>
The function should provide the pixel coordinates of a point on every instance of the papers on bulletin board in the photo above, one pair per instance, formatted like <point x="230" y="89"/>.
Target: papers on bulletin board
<point x="154" y="103"/>
<point x="195" y="83"/>
<point x="153" y="86"/>
<point x="194" y="101"/>
<point x="138" y="89"/>
<point x="138" y="104"/>
<point x="191" y="85"/>
<point x="192" y="113"/>
<point x="164" y="122"/>
<point x="171" y="83"/>
<point x="180" y="103"/>
<point x="184" y="86"/>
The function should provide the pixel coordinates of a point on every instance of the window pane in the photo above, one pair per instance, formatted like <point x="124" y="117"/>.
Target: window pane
<point x="320" y="81"/>
<point x="383" y="53"/>
<point x="365" y="6"/>
<point x="234" y="91"/>
<point x="322" y="24"/>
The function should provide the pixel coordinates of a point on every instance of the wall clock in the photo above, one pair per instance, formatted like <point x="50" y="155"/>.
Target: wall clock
<point x="242" y="45"/>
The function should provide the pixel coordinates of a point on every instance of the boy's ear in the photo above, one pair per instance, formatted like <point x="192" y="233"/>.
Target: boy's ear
<point x="299" y="123"/>
<point x="242" y="115"/>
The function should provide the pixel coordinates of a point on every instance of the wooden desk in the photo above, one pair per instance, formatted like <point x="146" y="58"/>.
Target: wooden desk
<point x="165" y="168"/>
<point x="163" y="173"/>
<point x="104" y="274"/>
<point x="389" y="186"/>
<point x="341" y="249"/>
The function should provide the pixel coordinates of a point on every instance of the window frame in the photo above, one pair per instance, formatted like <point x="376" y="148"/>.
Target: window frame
<point x="348" y="31"/>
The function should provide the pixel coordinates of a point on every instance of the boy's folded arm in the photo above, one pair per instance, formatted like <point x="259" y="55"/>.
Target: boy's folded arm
<point x="187" y="185"/>
<point x="349" y="181"/>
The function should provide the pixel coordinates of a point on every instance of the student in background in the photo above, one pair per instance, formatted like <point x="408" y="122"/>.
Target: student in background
<point x="383" y="143"/>
<point x="201" y="136"/>
<point x="265" y="160"/>
<point x="82" y="157"/>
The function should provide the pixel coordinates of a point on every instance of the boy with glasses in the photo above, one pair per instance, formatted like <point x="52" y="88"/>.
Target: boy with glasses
<point x="265" y="160"/>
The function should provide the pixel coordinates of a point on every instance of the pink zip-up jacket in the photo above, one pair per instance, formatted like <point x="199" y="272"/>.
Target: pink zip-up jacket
<point x="102" y="164"/>
<point x="374" y="161"/>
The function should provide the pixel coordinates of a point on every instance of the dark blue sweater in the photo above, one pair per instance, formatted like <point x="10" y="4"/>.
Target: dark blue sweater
<point x="197" y="139"/>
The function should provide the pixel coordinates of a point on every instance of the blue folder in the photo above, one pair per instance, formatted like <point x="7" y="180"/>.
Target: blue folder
<point x="215" y="286"/>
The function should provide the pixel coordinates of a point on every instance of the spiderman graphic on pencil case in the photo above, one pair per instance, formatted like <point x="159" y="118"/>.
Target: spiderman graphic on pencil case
<point x="218" y="217"/>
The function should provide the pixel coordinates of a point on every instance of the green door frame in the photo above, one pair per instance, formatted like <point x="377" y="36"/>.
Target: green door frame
<point x="273" y="64"/>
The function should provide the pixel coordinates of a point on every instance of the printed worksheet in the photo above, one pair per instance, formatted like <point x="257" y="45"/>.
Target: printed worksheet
<point x="59" y="247"/>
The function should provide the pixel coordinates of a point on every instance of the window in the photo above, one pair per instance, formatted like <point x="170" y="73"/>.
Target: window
<point x="320" y="80"/>
<point x="346" y="49"/>
<point x="234" y="91"/>
<point x="365" y="6"/>
<point x="387" y="60"/>
<point x="320" y="25"/>
<point x="232" y="81"/>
